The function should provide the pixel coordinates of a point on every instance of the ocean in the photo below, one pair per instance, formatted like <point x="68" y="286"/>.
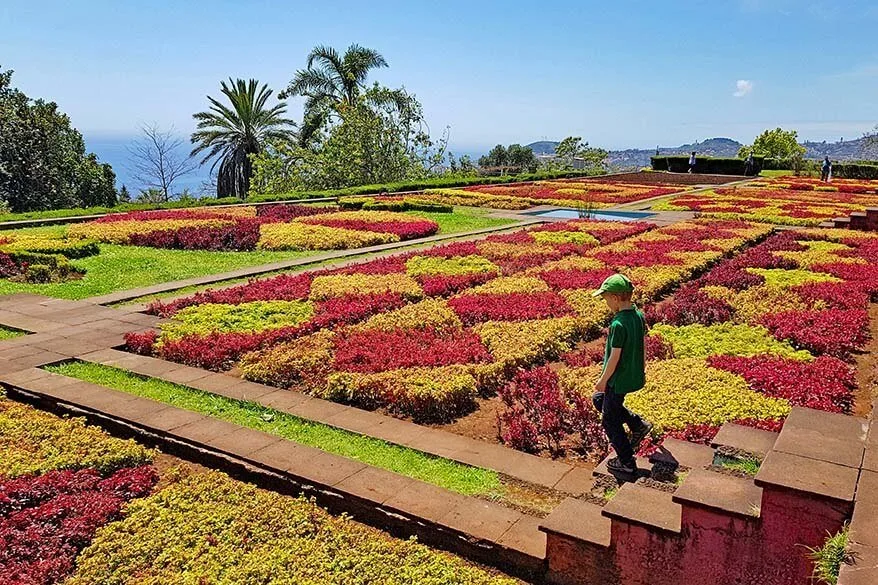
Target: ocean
<point x="114" y="150"/>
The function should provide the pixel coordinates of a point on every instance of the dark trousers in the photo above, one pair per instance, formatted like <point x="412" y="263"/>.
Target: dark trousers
<point x="613" y="415"/>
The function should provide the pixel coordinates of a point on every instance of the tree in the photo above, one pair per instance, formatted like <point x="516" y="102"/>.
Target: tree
<point x="373" y="141"/>
<point x="43" y="162"/>
<point x="496" y="157"/>
<point x="778" y="143"/>
<point x="331" y="81"/>
<point x="869" y="150"/>
<point x="157" y="162"/>
<point x="571" y="153"/>
<point x="522" y="157"/>
<point x="231" y="135"/>
<point x="124" y="195"/>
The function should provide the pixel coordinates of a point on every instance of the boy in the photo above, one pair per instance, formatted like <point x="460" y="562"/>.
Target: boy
<point x="624" y="372"/>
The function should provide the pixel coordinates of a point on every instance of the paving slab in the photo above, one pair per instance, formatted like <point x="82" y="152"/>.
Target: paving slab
<point x="170" y="419"/>
<point x="580" y="520"/>
<point x="326" y="468"/>
<point x="815" y="444"/>
<point x="482" y="519"/>
<point x="424" y="500"/>
<point x="678" y="453"/>
<point x="375" y="485"/>
<point x="829" y="480"/>
<point x="283" y="400"/>
<point x="24" y="376"/>
<point x="654" y="509"/>
<point x="864" y="523"/>
<point x="864" y="568"/>
<point x="755" y="441"/>
<point x="184" y="375"/>
<point x="244" y="442"/>
<point x="870" y="459"/>
<point x="205" y="429"/>
<point x="577" y="481"/>
<point x="829" y="424"/>
<point x="717" y="491"/>
<point x="525" y="536"/>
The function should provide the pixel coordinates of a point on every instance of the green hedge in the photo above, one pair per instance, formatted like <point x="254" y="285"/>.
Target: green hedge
<point x="856" y="170"/>
<point x="704" y="164"/>
<point x="369" y="204"/>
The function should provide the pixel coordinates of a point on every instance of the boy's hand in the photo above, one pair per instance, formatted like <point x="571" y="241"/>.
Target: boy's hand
<point x="600" y="385"/>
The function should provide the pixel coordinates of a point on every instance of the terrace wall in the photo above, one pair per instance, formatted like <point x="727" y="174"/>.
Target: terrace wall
<point x="717" y="528"/>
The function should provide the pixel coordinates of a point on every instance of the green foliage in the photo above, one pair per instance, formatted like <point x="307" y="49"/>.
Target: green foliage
<point x="747" y="465"/>
<point x="829" y="558"/>
<point x="6" y="333"/>
<point x="783" y="278"/>
<point x="701" y="341"/>
<point x="572" y="149"/>
<point x="229" y="136"/>
<point x="68" y="248"/>
<point x="38" y="273"/>
<point x="208" y="528"/>
<point x="520" y="158"/>
<point x="247" y="317"/>
<point x="43" y="163"/>
<point x="416" y="464"/>
<point x="849" y="170"/>
<point x="777" y="143"/>
<point x="431" y="265"/>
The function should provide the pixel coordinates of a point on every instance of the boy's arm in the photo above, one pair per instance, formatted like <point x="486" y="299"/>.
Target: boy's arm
<point x="615" y="355"/>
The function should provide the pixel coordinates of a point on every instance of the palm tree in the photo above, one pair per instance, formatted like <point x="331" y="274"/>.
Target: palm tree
<point x="231" y="134"/>
<point x="331" y="82"/>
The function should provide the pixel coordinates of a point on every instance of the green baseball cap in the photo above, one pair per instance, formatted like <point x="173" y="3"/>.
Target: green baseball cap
<point x="617" y="283"/>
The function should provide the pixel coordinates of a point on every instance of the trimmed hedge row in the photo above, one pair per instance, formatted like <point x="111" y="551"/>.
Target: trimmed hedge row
<point x="705" y="164"/>
<point x="370" y="204"/>
<point x="868" y="171"/>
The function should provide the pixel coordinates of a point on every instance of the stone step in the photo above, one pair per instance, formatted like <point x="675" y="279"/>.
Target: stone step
<point x="676" y="453"/>
<point x="826" y="224"/>
<point x="644" y="469"/>
<point x="841" y="222"/>
<point x="578" y="520"/>
<point x="756" y="442"/>
<point x="720" y="492"/>
<point x="824" y="436"/>
<point x="652" y="509"/>
<point x="784" y="471"/>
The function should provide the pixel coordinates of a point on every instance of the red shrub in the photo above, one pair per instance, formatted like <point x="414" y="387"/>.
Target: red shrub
<point x="286" y="287"/>
<point x="451" y="250"/>
<point x="285" y="212"/>
<point x="732" y="277"/>
<point x="46" y="520"/>
<point x="571" y="279"/>
<point x="826" y="383"/>
<point x="836" y="295"/>
<point x="833" y="332"/>
<point x="444" y="285"/>
<point x="586" y="356"/>
<point x="165" y="214"/>
<point x="241" y="236"/>
<point x="141" y="343"/>
<point x="387" y="265"/>
<point x="379" y="351"/>
<point x="541" y="415"/>
<point x="477" y="308"/>
<point x="689" y="306"/>
<point x="862" y="276"/>
<point x="8" y="267"/>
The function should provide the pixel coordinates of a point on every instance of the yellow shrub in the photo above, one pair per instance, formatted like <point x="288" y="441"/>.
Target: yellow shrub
<point x="337" y="285"/>
<point x="433" y="313"/>
<point x="430" y="265"/>
<point x="511" y="284"/>
<point x="120" y="232"/>
<point x="564" y="238"/>
<point x="301" y="236"/>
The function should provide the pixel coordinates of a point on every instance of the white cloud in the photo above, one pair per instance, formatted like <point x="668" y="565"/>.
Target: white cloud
<point x="744" y="86"/>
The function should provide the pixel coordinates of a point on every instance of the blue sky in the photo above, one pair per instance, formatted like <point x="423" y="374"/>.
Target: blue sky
<point x="620" y="74"/>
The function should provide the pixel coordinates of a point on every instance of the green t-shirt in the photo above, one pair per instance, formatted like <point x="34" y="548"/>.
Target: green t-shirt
<point x="627" y="331"/>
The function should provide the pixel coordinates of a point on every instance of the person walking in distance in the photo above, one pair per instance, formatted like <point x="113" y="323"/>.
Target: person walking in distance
<point x="692" y="162"/>
<point x="624" y="372"/>
<point x="826" y="170"/>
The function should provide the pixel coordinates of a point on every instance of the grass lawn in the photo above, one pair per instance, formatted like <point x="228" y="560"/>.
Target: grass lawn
<point x="125" y="267"/>
<point x="9" y="333"/>
<point x="773" y="174"/>
<point x="415" y="464"/>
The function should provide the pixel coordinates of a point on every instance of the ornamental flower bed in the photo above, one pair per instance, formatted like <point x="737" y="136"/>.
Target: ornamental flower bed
<point x="226" y="531"/>
<point x="272" y="227"/>
<point x="60" y="481"/>
<point x="41" y="259"/>
<point x="774" y="327"/>
<point x="571" y="193"/>
<point x="786" y="200"/>
<point x="422" y="334"/>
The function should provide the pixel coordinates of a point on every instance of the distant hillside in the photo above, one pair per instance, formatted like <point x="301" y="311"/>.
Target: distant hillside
<point x="635" y="158"/>
<point x="542" y="147"/>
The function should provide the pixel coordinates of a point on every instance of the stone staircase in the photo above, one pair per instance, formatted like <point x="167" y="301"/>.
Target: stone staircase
<point x="701" y="524"/>
<point x="858" y="220"/>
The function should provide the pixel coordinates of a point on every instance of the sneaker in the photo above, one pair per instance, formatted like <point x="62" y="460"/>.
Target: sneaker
<point x="615" y="465"/>
<point x="638" y="436"/>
